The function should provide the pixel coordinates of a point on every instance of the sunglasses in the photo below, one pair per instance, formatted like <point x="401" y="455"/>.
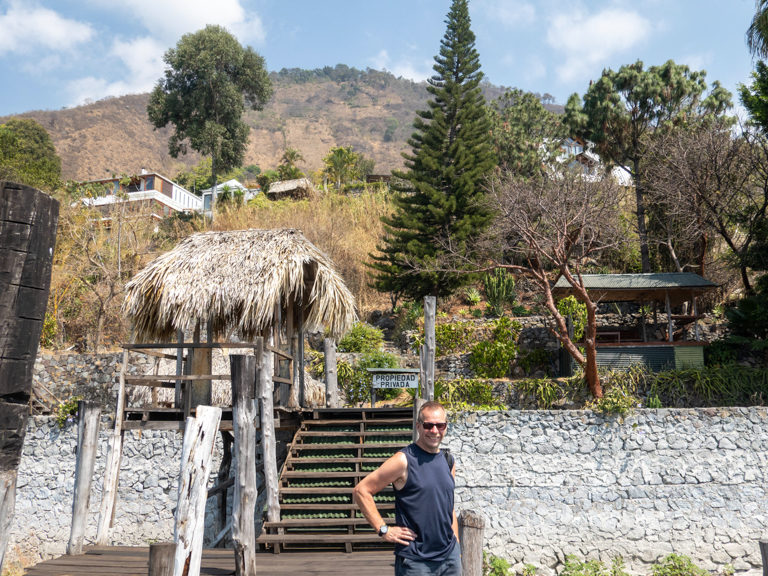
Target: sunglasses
<point x="439" y="425"/>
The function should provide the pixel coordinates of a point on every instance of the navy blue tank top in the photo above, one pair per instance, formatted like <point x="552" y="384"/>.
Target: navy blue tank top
<point x="425" y="505"/>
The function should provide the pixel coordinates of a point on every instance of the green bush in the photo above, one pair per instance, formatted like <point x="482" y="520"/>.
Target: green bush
<point x="466" y="393"/>
<point x="472" y="296"/>
<point x="356" y="383"/>
<point x="67" y="411"/>
<point x="450" y="338"/>
<point x="499" y="290"/>
<point x="677" y="565"/>
<point x="544" y="390"/>
<point x="495" y="565"/>
<point x="616" y="401"/>
<point x="576" y="567"/>
<point x="362" y="338"/>
<point x="493" y="358"/>
<point x="578" y="312"/>
<point x="530" y="360"/>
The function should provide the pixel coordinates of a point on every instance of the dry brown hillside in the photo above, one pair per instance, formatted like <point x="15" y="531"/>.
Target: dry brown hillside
<point x="371" y="111"/>
<point x="312" y="110"/>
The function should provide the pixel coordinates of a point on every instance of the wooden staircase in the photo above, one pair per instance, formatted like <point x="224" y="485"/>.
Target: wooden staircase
<point x="330" y="453"/>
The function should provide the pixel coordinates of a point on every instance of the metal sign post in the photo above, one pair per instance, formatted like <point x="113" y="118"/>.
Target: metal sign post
<point x="389" y="378"/>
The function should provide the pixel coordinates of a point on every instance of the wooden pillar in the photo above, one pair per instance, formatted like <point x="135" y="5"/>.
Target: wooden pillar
<point x="28" y="221"/>
<point x="764" y="556"/>
<point x="670" y="323"/>
<point x="428" y="349"/>
<point x="200" y="391"/>
<point x="331" y="381"/>
<point x="197" y="450"/>
<point x="161" y="558"/>
<point x="299" y="360"/>
<point x="87" y="444"/>
<point x="222" y="480"/>
<point x="417" y="403"/>
<point x="268" y="442"/>
<point x="696" y="329"/>
<point x="471" y="528"/>
<point x="177" y="398"/>
<point x="112" y="469"/>
<point x="244" y="374"/>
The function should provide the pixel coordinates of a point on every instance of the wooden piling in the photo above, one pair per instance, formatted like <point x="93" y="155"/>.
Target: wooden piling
<point x="197" y="450"/>
<point x="244" y="374"/>
<point x="88" y="415"/>
<point x="268" y="443"/>
<point x="331" y="379"/>
<point x="428" y="350"/>
<point x="161" y="558"/>
<point x="28" y="220"/>
<point x="471" y="528"/>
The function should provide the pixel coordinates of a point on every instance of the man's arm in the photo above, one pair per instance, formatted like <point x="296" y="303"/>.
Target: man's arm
<point x="393" y="470"/>
<point x="455" y="523"/>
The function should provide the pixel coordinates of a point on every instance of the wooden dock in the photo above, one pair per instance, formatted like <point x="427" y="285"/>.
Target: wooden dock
<point x="134" y="561"/>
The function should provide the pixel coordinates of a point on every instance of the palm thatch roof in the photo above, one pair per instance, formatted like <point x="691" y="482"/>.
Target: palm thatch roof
<point x="233" y="281"/>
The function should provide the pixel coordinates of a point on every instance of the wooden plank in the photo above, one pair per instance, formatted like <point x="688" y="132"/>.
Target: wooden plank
<point x="185" y="377"/>
<point x="196" y="455"/>
<point x="161" y="558"/>
<point x="268" y="440"/>
<point x="331" y="378"/>
<point x="244" y="373"/>
<point x="290" y="522"/>
<point x="88" y="415"/>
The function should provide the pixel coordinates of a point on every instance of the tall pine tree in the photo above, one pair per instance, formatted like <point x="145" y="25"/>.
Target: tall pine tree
<point x="438" y="206"/>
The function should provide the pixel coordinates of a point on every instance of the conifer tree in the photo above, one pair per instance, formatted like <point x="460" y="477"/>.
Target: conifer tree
<point x="439" y="196"/>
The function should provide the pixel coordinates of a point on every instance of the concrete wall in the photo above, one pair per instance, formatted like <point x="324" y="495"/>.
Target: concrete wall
<point x="572" y="482"/>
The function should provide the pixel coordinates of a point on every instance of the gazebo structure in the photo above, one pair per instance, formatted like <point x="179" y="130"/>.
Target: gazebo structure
<point x="662" y="346"/>
<point x="234" y="287"/>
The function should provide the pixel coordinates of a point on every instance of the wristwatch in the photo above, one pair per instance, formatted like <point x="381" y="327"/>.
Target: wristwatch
<point x="383" y="530"/>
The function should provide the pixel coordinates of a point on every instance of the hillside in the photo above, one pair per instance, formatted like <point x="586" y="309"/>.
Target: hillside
<point x="312" y="110"/>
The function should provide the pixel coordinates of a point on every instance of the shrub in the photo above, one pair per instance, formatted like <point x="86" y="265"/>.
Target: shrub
<point x="466" y="393"/>
<point x="472" y="296"/>
<point x="545" y="391"/>
<point x="677" y="565"/>
<point x="532" y="359"/>
<point x="494" y="565"/>
<point x="356" y="383"/>
<point x="362" y="338"/>
<point x="617" y="401"/>
<point x="578" y="312"/>
<point x="493" y="358"/>
<point x="66" y="412"/>
<point x="450" y="338"/>
<point x="575" y="567"/>
<point x="499" y="290"/>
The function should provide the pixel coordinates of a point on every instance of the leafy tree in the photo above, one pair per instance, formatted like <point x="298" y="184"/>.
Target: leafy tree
<point x="755" y="97"/>
<point x="757" y="33"/>
<point x="623" y="109"/>
<point x="27" y="154"/>
<point x="341" y="164"/>
<point x="438" y="200"/>
<point x="287" y="168"/>
<point x="524" y="134"/>
<point x="208" y="81"/>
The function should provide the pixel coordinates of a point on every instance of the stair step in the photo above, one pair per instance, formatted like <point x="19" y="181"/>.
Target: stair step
<point x="314" y="538"/>
<point x="377" y="422"/>
<point x="332" y="490"/>
<point x="325" y="506"/>
<point x="294" y="522"/>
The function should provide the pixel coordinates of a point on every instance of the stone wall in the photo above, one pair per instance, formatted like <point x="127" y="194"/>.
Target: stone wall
<point x="548" y="484"/>
<point x="573" y="482"/>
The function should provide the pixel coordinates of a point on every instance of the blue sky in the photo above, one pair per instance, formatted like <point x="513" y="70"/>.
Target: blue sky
<point x="59" y="53"/>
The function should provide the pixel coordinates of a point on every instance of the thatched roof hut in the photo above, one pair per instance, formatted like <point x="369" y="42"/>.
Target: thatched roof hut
<point x="234" y="281"/>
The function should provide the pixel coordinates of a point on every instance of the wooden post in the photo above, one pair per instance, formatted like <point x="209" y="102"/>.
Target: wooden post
<point x="670" y="323"/>
<point x="112" y="469"/>
<point x="28" y="221"/>
<point x="428" y="350"/>
<point x="197" y="450"/>
<point x="161" y="558"/>
<point x="417" y="403"/>
<point x="200" y="391"/>
<point x="87" y="443"/>
<point x="471" y="527"/>
<point x="696" y="331"/>
<point x="177" y="397"/>
<point x="299" y="360"/>
<point x="764" y="555"/>
<point x="331" y="382"/>
<point x="244" y="373"/>
<point x="268" y="445"/>
<point x="222" y="478"/>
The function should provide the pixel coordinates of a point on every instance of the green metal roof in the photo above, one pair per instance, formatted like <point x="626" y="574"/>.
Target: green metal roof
<point x="680" y="286"/>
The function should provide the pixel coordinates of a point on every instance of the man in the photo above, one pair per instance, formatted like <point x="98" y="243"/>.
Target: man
<point x="425" y="534"/>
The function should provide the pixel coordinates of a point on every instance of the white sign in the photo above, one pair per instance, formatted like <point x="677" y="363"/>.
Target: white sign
<point x="396" y="380"/>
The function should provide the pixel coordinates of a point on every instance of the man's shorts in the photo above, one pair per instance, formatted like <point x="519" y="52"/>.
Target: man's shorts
<point x="448" y="567"/>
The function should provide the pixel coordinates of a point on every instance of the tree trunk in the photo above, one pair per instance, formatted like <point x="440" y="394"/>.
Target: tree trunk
<point x="642" y="230"/>
<point x="590" y="348"/>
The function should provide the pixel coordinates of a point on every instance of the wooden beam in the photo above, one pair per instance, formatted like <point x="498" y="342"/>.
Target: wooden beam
<point x="88" y="415"/>
<point x="471" y="528"/>
<point x="428" y="350"/>
<point x="112" y="469"/>
<point x="28" y="220"/>
<point x="197" y="452"/>
<point x="161" y="558"/>
<point x="244" y="374"/>
<point x="670" y="322"/>
<point x="298" y="362"/>
<point x="331" y="382"/>
<point x="268" y="442"/>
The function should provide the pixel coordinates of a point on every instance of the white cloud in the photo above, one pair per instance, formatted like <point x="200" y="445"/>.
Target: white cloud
<point x="509" y="13"/>
<point x="588" y="41"/>
<point x="170" y="19"/>
<point x="416" y="71"/>
<point x="143" y="60"/>
<point x="696" y="62"/>
<point x="24" y="28"/>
